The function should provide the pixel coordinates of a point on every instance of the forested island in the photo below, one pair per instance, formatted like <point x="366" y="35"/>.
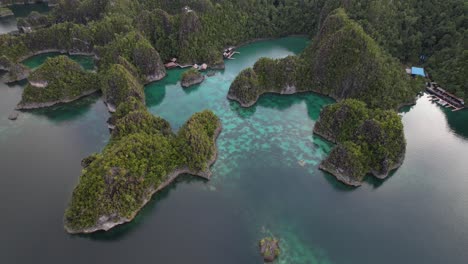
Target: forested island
<point x="58" y="80"/>
<point x="342" y="62"/>
<point x="368" y="141"/>
<point x="197" y="31"/>
<point x="356" y="56"/>
<point x="191" y="77"/>
<point x="143" y="155"/>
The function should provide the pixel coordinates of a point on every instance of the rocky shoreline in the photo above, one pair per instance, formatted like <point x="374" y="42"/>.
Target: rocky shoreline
<point x="31" y="106"/>
<point x="352" y="182"/>
<point x="390" y="170"/>
<point x="339" y="176"/>
<point x="290" y="90"/>
<point x="106" y="223"/>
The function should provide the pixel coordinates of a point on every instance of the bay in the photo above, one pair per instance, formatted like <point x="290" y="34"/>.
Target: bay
<point x="259" y="188"/>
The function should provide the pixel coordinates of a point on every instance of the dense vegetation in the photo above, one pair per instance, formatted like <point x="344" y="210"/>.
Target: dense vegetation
<point x="431" y="33"/>
<point x="369" y="141"/>
<point x="59" y="79"/>
<point x="138" y="51"/>
<point x="119" y="84"/>
<point x="342" y="61"/>
<point x="142" y="153"/>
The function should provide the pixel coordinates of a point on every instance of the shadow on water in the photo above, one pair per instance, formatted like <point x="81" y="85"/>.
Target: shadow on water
<point x="191" y="89"/>
<point x="67" y="112"/>
<point x="369" y="179"/>
<point x="154" y="95"/>
<point x="313" y="101"/>
<point x="87" y="62"/>
<point x="21" y="83"/>
<point x="376" y="182"/>
<point x="26" y="9"/>
<point x="242" y="112"/>
<point x="270" y="100"/>
<point x="122" y="231"/>
<point x="336" y="184"/>
<point x="406" y="109"/>
<point x="458" y="122"/>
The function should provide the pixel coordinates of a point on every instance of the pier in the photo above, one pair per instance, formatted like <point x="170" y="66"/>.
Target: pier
<point x="444" y="98"/>
<point x="228" y="53"/>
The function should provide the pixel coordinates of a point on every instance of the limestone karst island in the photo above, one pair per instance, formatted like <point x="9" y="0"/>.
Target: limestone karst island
<point x="234" y="131"/>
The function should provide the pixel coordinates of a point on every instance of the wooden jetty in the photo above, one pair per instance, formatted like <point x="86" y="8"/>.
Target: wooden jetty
<point x="228" y="53"/>
<point x="444" y="98"/>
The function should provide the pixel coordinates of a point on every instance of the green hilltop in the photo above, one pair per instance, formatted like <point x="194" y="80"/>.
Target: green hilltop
<point x="58" y="80"/>
<point x="368" y="141"/>
<point x="342" y="62"/>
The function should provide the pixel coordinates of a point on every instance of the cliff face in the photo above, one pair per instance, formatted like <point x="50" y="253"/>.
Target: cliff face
<point x="245" y="89"/>
<point x="342" y="62"/>
<point x="5" y="63"/>
<point x="17" y="72"/>
<point x="118" y="85"/>
<point x="58" y="80"/>
<point x="147" y="59"/>
<point x="368" y="141"/>
<point x="138" y="51"/>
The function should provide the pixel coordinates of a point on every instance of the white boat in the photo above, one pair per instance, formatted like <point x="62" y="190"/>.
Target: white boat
<point x="442" y="102"/>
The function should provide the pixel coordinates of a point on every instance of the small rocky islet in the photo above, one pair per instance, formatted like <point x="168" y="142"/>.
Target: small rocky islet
<point x="269" y="248"/>
<point x="191" y="77"/>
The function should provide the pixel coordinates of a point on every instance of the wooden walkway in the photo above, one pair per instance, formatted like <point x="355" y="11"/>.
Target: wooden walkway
<point x="447" y="99"/>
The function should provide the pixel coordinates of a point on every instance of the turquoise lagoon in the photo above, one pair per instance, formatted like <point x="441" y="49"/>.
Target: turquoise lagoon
<point x="259" y="188"/>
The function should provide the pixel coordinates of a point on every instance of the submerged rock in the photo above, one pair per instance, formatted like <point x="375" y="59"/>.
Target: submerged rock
<point x="269" y="248"/>
<point x="13" y="116"/>
<point x="211" y="74"/>
<point x="219" y="65"/>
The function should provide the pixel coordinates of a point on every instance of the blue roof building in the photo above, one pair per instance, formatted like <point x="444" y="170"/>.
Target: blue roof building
<point x="418" y="71"/>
